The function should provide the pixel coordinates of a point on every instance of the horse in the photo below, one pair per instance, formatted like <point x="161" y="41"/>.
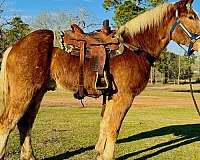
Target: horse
<point x="32" y="66"/>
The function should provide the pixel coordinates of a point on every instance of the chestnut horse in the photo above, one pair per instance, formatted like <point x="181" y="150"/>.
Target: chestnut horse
<point x="32" y="66"/>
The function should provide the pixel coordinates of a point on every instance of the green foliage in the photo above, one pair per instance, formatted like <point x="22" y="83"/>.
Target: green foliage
<point x="17" y="29"/>
<point x="12" y="31"/>
<point x="169" y="64"/>
<point x="156" y="2"/>
<point x="125" y="10"/>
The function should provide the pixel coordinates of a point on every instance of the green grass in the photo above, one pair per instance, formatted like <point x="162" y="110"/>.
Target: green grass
<point x="149" y="132"/>
<point x="157" y="133"/>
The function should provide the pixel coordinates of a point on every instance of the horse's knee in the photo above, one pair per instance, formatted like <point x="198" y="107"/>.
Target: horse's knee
<point x="106" y="143"/>
<point x="102" y="136"/>
<point x="100" y="145"/>
<point x="108" y="153"/>
<point x="109" y="147"/>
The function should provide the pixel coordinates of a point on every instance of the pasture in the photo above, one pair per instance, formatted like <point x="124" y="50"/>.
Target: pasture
<point x="162" y="124"/>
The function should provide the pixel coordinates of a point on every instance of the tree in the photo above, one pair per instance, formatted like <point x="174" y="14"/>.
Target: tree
<point x="1" y="27"/>
<point x="184" y="67"/>
<point x="12" y="31"/>
<point x="125" y="10"/>
<point x="162" y="65"/>
<point x="174" y="67"/>
<point x="2" y="3"/>
<point x="62" y="20"/>
<point x="16" y="30"/>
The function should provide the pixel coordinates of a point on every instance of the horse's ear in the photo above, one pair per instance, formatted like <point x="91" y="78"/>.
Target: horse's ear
<point x="190" y="1"/>
<point x="187" y="3"/>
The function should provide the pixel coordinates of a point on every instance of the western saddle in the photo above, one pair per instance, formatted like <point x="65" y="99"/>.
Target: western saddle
<point x="98" y="46"/>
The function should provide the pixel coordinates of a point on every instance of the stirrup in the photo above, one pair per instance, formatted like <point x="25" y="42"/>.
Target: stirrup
<point x="101" y="82"/>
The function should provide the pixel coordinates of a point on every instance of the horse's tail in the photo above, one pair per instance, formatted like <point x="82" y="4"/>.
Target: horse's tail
<point x="4" y="82"/>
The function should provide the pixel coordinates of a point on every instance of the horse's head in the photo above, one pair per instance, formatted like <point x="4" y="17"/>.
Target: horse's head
<point x="186" y="29"/>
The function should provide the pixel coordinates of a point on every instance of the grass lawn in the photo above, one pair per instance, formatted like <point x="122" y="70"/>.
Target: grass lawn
<point x="154" y="132"/>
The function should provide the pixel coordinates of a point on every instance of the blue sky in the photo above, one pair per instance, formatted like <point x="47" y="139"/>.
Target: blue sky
<point x="35" y="7"/>
<point x="32" y="8"/>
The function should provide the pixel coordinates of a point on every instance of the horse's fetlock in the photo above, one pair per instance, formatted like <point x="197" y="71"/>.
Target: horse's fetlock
<point x="27" y="158"/>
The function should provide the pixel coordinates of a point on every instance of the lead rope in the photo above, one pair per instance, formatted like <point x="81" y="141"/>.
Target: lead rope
<point x="190" y="81"/>
<point x="191" y="89"/>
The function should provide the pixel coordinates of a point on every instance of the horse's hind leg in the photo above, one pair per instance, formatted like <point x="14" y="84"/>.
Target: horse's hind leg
<point x="25" y="125"/>
<point x="8" y="121"/>
<point x="26" y="73"/>
<point x="3" y="140"/>
<point x="114" y="114"/>
<point x="22" y="113"/>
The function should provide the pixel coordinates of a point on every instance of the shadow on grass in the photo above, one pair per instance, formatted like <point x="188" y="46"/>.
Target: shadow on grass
<point x="69" y="154"/>
<point x="187" y="90"/>
<point x="186" y="134"/>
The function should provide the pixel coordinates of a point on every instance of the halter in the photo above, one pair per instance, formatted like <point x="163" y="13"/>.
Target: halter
<point x="192" y="36"/>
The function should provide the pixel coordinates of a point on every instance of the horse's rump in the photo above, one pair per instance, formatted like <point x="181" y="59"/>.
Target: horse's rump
<point x="26" y="65"/>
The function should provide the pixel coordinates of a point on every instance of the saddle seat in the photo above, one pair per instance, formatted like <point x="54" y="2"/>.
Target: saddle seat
<point x="92" y="40"/>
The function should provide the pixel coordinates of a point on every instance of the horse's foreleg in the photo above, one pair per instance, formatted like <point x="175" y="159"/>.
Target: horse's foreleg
<point x="115" y="112"/>
<point x="25" y="125"/>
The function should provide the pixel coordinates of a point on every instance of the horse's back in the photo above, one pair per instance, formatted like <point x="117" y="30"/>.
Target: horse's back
<point x="28" y="62"/>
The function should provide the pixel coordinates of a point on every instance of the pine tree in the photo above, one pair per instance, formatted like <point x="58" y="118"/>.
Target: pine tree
<point x="125" y="10"/>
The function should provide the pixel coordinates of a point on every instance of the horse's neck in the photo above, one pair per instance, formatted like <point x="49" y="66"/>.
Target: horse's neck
<point x="155" y="38"/>
<point x="152" y="43"/>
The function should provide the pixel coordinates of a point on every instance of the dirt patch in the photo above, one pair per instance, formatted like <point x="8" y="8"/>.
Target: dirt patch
<point x="69" y="101"/>
<point x="145" y="101"/>
<point x="63" y="98"/>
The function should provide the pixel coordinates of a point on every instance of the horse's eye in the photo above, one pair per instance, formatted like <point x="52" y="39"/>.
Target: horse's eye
<point x="191" y="17"/>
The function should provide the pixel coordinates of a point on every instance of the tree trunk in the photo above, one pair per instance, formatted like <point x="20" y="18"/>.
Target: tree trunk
<point x="179" y="68"/>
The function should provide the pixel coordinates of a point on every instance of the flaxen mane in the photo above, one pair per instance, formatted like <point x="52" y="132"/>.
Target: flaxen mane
<point x="148" y="20"/>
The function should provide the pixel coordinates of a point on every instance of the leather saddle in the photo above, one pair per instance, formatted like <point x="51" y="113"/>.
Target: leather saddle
<point x="95" y="45"/>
